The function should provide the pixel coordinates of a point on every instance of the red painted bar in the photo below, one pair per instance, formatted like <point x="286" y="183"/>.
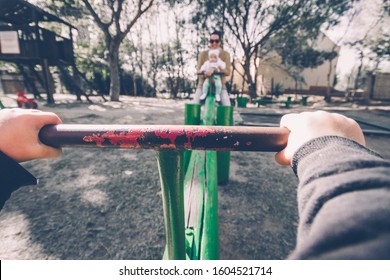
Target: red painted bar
<point x="159" y="137"/>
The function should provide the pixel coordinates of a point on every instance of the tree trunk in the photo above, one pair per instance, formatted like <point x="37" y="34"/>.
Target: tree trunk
<point x="249" y="79"/>
<point x="114" y="72"/>
<point x="328" y="95"/>
<point x="358" y="74"/>
<point x="135" y="84"/>
<point x="154" y="81"/>
<point x="329" y="88"/>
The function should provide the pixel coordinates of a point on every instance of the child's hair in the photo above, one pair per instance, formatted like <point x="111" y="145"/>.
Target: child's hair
<point x="213" y="53"/>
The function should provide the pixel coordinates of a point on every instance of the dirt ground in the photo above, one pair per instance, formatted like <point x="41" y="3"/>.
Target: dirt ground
<point x="106" y="203"/>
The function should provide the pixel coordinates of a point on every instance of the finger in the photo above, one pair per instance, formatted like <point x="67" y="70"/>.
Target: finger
<point x="44" y="118"/>
<point x="37" y="151"/>
<point x="44" y="151"/>
<point x="53" y="152"/>
<point x="280" y="158"/>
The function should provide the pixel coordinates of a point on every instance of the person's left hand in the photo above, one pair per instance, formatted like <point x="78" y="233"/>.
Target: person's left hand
<point x="209" y="72"/>
<point x="19" y="130"/>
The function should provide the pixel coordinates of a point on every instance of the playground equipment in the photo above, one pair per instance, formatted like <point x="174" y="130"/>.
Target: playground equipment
<point x="189" y="200"/>
<point x="192" y="158"/>
<point x="287" y="103"/>
<point x="24" y="102"/>
<point x="265" y="101"/>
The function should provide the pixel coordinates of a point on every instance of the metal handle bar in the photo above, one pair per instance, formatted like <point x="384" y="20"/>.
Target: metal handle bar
<point x="214" y="73"/>
<point x="158" y="137"/>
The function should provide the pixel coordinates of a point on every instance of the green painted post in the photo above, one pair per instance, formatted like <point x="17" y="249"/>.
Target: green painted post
<point x="304" y="100"/>
<point x="201" y="210"/>
<point x="209" y="110"/>
<point x="170" y="164"/>
<point x="194" y="190"/>
<point x="191" y="117"/>
<point x="242" y="102"/>
<point x="224" y="117"/>
<point x="288" y="102"/>
<point x="210" y="243"/>
<point x="192" y="114"/>
<point x="201" y="191"/>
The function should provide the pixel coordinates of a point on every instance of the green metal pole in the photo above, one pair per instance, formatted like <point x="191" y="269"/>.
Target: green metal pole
<point x="210" y="242"/>
<point x="288" y="102"/>
<point x="192" y="114"/>
<point x="209" y="249"/>
<point x="225" y="118"/>
<point x="201" y="189"/>
<point x="191" y="117"/>
<point x="171" y="177"/>
<point x="194" y="192"/>
<point x="209" y="110"/>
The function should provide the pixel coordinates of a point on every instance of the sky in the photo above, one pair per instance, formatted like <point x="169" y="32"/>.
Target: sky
<point x="363" y="22"/>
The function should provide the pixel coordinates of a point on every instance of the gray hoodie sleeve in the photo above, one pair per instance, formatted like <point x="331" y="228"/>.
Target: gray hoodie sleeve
<point x="343" y="201"/>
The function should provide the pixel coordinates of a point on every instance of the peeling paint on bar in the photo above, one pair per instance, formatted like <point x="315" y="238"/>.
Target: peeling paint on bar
<point x="168" y="134"/>
<point x="122" y="139"/>
<point x="155" y="137"/>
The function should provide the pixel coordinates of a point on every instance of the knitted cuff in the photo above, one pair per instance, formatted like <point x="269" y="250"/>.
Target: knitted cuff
<point x="334" y="143"/>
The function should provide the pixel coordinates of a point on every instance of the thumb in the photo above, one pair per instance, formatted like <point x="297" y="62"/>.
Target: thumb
<point x="283" y="157"/>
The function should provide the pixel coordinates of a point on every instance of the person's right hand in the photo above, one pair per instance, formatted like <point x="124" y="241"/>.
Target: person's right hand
<point x="309" y="125"/>
<point x="19" y="130"/>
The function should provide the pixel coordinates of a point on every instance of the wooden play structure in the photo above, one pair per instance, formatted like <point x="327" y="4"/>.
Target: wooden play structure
<point x="26" y="41"/>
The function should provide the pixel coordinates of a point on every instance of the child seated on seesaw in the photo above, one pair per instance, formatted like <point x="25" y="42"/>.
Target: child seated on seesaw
<point x="215" y="64"/>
